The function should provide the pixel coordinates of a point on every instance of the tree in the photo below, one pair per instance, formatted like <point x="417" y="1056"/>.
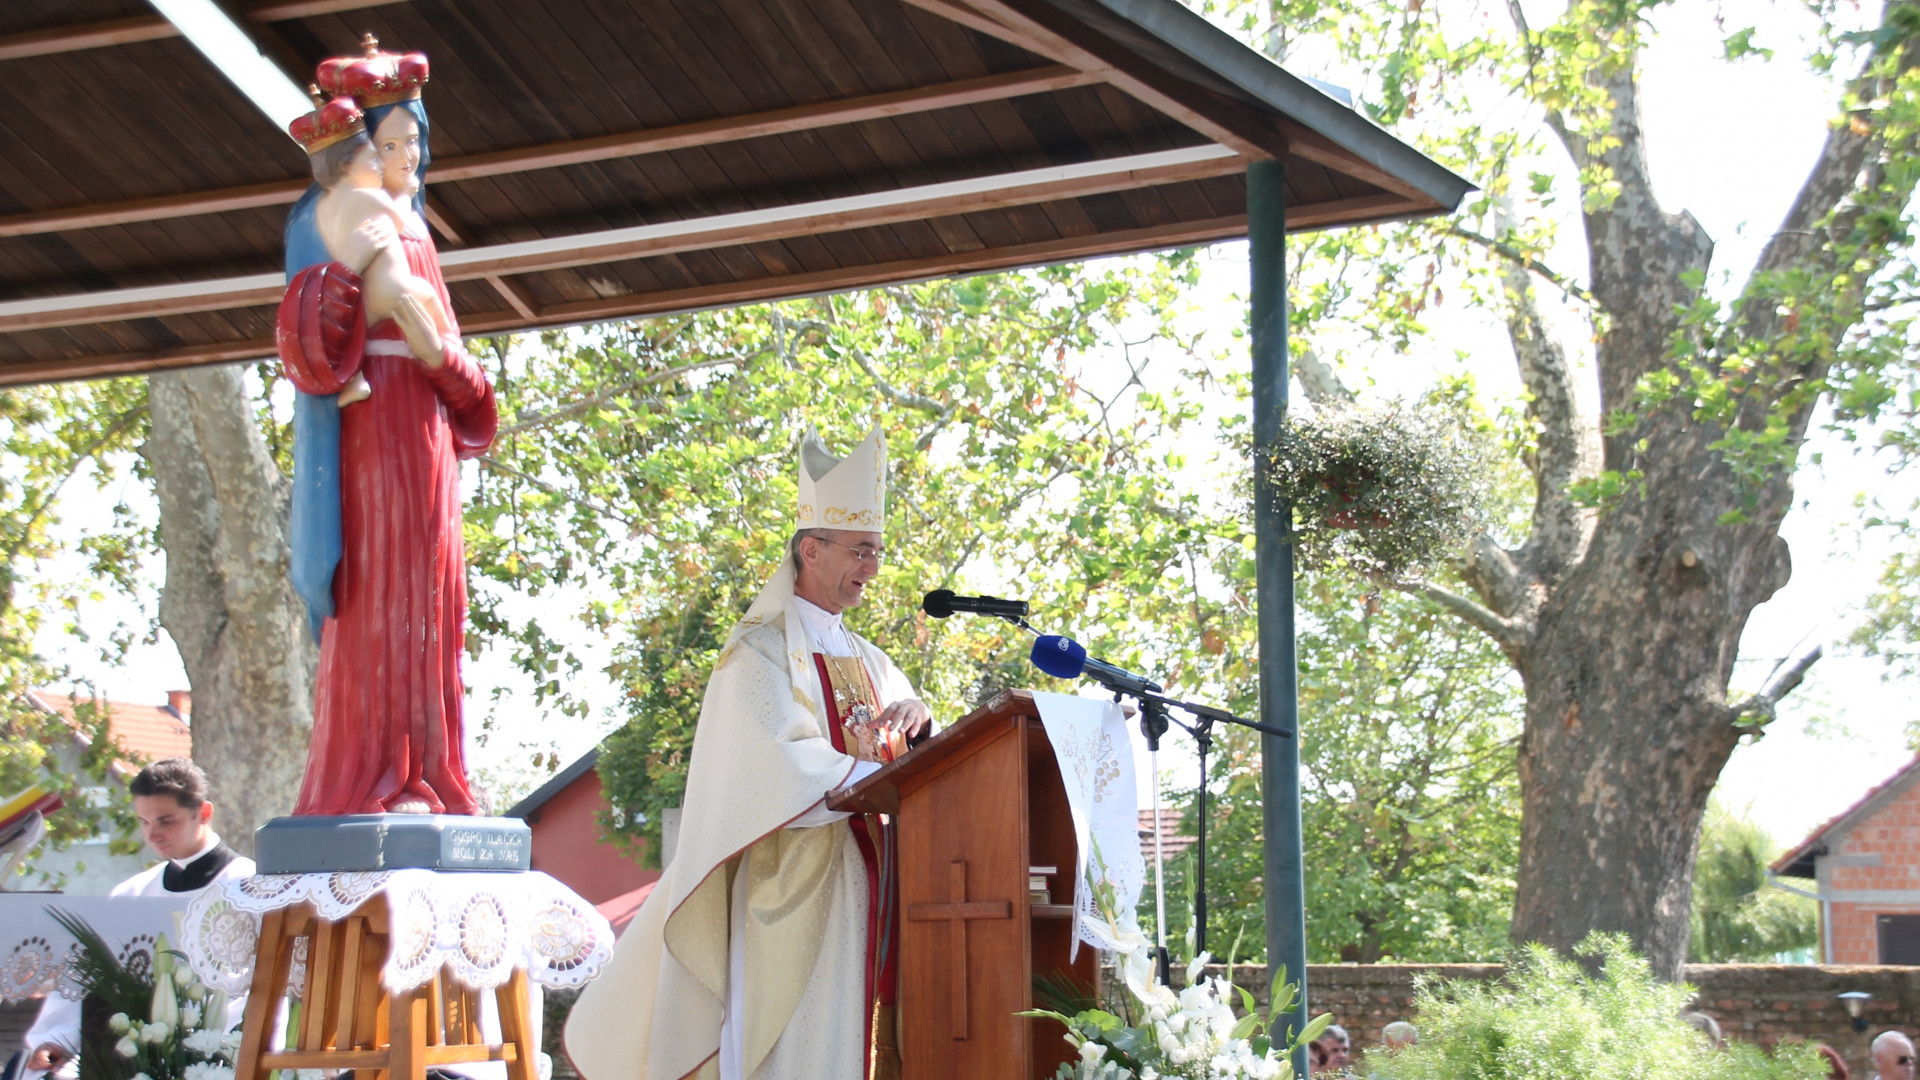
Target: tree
<point x="1738" y="917"/>
<point x="1622" y="602"/>
<point x="228" y="602"/>
<point x="49" y="438"/>
<point x="201" y="439"/>
<point x="1410" y="800"/>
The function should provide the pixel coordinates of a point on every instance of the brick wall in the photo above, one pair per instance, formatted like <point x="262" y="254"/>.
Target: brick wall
<point x="1877" y="861"/>
<point x="1763" y="1003"/>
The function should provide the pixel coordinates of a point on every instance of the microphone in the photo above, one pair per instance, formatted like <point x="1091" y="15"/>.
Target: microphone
<point x="941" y="603"/>
<point x="1064" y="658"/>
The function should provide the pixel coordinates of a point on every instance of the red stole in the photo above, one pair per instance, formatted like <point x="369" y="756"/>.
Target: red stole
<point x="852" y="705"/>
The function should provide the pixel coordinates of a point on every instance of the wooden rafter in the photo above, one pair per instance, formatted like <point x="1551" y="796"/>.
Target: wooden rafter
<point x="726" y="294"/>
<point x="110" y="32"/>
<point x="1043" y="29"/>
<point x="747" y="227"/>
<point x="580" y="151"/>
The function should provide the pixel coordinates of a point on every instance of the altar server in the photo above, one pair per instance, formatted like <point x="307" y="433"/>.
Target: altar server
<point x="176" y="820"/>
<point x="759" y="955"/>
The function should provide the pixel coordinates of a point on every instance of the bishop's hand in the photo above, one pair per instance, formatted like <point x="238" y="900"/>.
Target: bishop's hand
<point x="908" y="716"/>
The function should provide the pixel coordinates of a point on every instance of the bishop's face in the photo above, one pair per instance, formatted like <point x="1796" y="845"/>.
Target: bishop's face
<point x="838" y="568"/>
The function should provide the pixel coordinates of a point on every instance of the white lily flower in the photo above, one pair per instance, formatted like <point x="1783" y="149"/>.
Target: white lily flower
<point x="118" y="1023"/>
<point x="126" y="1047"/>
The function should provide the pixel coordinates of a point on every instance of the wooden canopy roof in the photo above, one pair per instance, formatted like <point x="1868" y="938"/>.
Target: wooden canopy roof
<point x="599" y="159"/>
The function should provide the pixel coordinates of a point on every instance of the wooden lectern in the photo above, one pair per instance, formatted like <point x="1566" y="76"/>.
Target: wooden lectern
<point x="977" y="805"/>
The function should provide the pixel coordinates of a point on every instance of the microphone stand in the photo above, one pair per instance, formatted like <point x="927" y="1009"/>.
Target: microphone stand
<point x="1154" y="722"/>
<point x="1155" y="719"/>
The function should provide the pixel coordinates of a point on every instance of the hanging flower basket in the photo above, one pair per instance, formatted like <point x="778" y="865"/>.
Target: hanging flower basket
<point x="1385" y="491"/>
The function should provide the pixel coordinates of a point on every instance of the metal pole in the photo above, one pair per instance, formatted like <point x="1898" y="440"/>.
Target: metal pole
<point x="1273" y="559"/>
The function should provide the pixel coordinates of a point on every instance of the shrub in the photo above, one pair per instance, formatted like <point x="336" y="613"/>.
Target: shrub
<point x="1548" y="1019"/>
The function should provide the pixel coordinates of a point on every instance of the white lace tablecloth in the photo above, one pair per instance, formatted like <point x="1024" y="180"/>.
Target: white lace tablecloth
<point x="480" y="925"/>
<point x="35" y="950"/>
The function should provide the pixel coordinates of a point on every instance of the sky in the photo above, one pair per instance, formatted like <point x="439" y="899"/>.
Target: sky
<point x="1730" y="144"/>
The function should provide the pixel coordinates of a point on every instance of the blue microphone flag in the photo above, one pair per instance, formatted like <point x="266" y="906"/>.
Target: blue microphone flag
<point x="1059" y="656"/>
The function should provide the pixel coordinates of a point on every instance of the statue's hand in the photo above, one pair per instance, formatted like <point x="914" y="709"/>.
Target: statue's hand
<point x="422" y="336"/>
<point x="368" y="239"/>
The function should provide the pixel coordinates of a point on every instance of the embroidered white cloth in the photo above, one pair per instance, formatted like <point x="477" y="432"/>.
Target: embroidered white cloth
<point x="480" y="925"/>
<point x="38" y="949"/>
<point x="1095" y="753"/>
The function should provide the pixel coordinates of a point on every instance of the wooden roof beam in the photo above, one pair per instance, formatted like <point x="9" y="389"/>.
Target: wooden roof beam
<point x="747" y="227"/>
<point x="603" y="148"/>
<point x="525" y="315"/>
<point x="100" y="35"/>
<point x="1039" y="27"/>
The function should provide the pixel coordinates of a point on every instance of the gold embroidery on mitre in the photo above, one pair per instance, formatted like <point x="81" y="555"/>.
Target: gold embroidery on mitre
<point x="840" y="515"/>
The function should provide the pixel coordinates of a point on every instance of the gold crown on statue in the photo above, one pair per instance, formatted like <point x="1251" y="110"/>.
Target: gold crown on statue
<point x="843" y="493"/>
<point x="328" y="123"/>
<point x="374" y="77"/>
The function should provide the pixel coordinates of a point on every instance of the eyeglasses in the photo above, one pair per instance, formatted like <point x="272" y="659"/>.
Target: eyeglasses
<point x="865" y="554"/>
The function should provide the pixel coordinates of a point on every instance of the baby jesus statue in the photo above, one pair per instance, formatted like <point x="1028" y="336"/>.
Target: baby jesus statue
<point x="360" y="222"/>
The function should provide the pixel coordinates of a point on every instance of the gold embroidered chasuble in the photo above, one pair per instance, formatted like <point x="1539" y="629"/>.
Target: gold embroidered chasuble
<point x="763" y="756"/>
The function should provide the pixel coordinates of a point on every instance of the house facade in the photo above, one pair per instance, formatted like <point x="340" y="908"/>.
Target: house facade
<point x="1864" y="868"/>
<point x="564" y="817"/>
<point x="142" y="733"/>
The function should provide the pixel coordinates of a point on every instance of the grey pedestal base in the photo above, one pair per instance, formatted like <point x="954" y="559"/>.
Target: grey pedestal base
<point x="314" y="845"/>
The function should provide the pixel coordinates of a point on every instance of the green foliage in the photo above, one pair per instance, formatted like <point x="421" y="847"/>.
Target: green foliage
<point x="53" y="439"/>
<point x="1548" y="1019"/>
<point x="1891" y="626"/>
<point x="1410" y="803"/>
<point x="1738" y="918"/>
<point x="649" y="467"/>
<point x="1384" y="490"/>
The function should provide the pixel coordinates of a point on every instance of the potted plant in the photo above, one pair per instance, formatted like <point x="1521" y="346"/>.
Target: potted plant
<point x="1383" y="490"/>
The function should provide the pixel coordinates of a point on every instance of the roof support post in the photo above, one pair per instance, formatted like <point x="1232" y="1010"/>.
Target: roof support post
<point x="1273" y="589"/>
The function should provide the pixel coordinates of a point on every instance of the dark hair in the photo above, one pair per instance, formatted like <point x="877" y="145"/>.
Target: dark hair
<point x="417" y="108"/>
<point x="175" y="776"/>
<point x="793" y="545"/>
<point x="1836" y="1065"/>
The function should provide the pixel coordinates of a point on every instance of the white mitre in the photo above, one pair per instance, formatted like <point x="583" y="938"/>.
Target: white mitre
<point x="843" y="493"/>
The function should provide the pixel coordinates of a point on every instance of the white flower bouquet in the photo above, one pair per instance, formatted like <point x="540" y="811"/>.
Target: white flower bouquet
<point x="1193" y="1034"/>
<point x="166" y="1024"/>
<point x="183" y="1036"/>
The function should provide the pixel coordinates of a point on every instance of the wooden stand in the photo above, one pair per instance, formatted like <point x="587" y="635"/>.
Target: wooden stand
<point x="977" y="805"/>
<point x="348" y="1020"/>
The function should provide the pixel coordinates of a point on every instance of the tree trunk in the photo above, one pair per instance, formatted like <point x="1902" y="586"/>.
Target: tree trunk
<point x="228" y="602"/>
<point x="1625" y="624"/>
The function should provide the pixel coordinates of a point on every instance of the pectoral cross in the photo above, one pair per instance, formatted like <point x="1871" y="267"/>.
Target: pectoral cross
<point x="959" y="911"/>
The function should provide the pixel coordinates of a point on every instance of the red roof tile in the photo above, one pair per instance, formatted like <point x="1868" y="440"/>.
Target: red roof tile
<point x="620" y="910"/>
<point x="1172" y="842"/>
<point x="1803" y="851"/>
<point x="144" y="733"/>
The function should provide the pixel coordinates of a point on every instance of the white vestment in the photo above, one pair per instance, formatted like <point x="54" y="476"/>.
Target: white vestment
<point x="59" y="1019"/>
<point x="758" y="864"/>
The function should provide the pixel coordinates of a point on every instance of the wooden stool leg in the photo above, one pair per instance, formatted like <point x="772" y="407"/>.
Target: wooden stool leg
<point x="272" y="958"/>
<point x="516" y="1026"/>
<point x="407" y="1029"/>
<point x="349" y="983"/>
<point x="437" y="1009"/>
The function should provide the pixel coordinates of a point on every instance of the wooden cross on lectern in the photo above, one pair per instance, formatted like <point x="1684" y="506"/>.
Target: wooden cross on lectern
<point x="959" y="911"/>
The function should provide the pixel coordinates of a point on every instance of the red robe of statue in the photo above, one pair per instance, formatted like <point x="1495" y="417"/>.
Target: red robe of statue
<point x="387" y="704"/>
